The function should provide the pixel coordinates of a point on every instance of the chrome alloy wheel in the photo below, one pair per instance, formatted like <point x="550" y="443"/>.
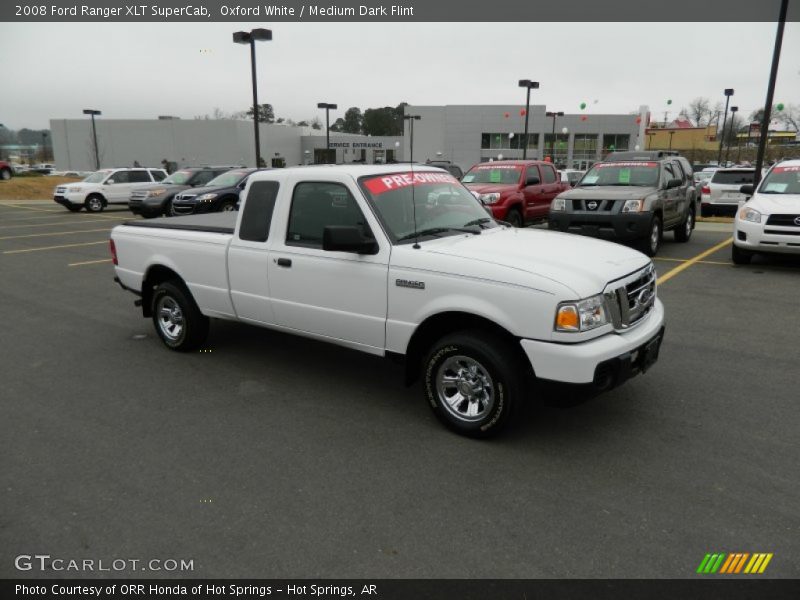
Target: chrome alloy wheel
<point x="228" y="207"/>
<point x="689" y="225"/>
<point x="95" y="204"/>
<point x="465" y="388"/>
<point x="170" y="318"/>
<point x="655" y="237"/>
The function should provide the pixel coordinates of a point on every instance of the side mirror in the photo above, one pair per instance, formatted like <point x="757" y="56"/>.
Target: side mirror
<point x="747" y="189"/>
<point x="109" y="181"/>
<point x="347" y="238"/>
<point x="673" y="183"/>
<point x="532" y="180"/>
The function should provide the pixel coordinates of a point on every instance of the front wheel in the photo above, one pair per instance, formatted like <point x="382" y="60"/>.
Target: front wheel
<point x="514" y="218"/>
<point x="652" y="242"/>
<point x="94" y="203"/>
<point x="5" y="174"/>
<point x="473" y="382"/>
<point x="177" y="319"/>
<point x="684" y="231"/>
<point x="739" y="256"/>
<point x="228" y="206"/>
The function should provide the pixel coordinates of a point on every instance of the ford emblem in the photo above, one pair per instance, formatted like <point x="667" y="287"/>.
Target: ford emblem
<point x="797" y="221"/>
<point x="591" y="205"/>
<point x="643" y="297"/>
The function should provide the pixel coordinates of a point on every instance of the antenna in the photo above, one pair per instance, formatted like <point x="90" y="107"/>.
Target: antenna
<point x="411" y="119"/>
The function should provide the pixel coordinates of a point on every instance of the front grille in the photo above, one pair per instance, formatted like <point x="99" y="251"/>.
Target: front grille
<point x="586" y="205"/>
<point x="182" y="210"/>
<point x="781" y="232"/>
<point x="783" y="220"/>
<point x="631" y="298"/>
<point x="138" y="195"/>
<point x="61" y="190"/>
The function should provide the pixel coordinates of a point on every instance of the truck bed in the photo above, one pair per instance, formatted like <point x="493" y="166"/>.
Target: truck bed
<point x="221" y="222"/>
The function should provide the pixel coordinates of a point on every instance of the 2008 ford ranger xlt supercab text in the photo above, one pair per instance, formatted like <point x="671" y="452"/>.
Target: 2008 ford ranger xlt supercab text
<point x="392" y="260"/>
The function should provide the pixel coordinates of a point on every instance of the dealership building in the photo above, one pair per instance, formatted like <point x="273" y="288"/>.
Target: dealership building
<point x="464" y="135"/>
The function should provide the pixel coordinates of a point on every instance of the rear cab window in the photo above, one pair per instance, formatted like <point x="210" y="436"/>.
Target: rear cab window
<point x="258" y="209"/>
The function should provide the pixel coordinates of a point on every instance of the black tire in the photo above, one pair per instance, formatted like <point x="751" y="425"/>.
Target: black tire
<point x="739" y="256"/>
<point x="705" y="211"/>
<point x="652" y="242"/>
<point x="95" y="203"/>
<point x="684" y="231"/>
<point x="185" y="328"/>
<point x="496" y="382"/>
<point x="167" y="210"/>
<point x="74" y="207"/>
<point x="5" y="174"/>
<point x="514" y="217"/>
<point x="227" y="206"/>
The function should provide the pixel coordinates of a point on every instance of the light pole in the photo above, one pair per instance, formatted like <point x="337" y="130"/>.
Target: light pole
<point x="734" y="109"/>
<point x="728" y="94"/>
<point x="94" y="113"/>
<point x="671" y="133"/>
<point x="328" y="108"/>
<point x="44" y="146"/>
<point x="528" y="85"/>
<point x="553" y="115"/>
<point x="251" y="37"/>
<point x="411" y="119"/>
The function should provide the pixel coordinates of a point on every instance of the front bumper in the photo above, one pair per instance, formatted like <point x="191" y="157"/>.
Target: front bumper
<point x="760" y="237"/>
<point x="606" y="361"/>
<point x="68" y="199"/>
<point x="152" y="207"/>
<point x="604" y="225"/>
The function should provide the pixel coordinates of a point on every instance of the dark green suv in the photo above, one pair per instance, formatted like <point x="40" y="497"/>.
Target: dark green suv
<point x="630" y="197"/>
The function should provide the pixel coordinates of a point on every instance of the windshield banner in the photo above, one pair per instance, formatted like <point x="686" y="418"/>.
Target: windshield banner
<point x="618" y="165"/>
<point x="492" y="167"/>
<point x="786" y="169"/>
<point x="388" y="183"/>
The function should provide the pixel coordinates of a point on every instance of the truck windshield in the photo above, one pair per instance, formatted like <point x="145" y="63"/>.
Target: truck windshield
<point x="178" y="177"/>
<point x="782" y="180"/>
<point x="97" y="177"/>
<point x="229" y="179"/>
<point x="489" y="173"/>
<point x="622" y="173"/>
<point x="441" y="205"/>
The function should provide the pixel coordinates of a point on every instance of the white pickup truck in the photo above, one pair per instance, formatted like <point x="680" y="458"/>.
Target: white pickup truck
<point x="392" y="260"/>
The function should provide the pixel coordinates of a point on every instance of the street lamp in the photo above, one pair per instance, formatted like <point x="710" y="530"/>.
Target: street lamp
<point x="553" y="135"/>
<point x="44" y="146"/>
<point x="728" y="94"/>
<point x="528" y="85"/>
<point x="94" y="113"/>
<point x="251" y="37"/>
<point x="411" y="119"/>
<point x="328" y="108"/>
<point x="733" y="119"/>
<point x="671" y="133"/>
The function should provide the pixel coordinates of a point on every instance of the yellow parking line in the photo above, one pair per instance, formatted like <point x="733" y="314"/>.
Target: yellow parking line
<point x="30" y="235"/>
<point x="54" y="247"/>
<point x="685" y="265"/>
<point x="13" y="217"/>
<point x="73" y="222"/>
<point x="89" y="262"/>
<point x="31" y="208"/>
<point x="699" y="262"/>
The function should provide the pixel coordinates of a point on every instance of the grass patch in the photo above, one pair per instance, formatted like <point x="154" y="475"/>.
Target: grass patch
<point x="31" y="188"/>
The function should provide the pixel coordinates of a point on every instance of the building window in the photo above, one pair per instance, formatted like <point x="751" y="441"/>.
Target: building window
<point x="584" y="146"/>
<point x="556" y="147"/>
<point x="616" y="141"/>
<point x="506" y="141"/>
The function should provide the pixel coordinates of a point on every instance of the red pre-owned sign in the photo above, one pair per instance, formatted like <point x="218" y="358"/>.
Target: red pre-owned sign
<point x="388" y="183"/>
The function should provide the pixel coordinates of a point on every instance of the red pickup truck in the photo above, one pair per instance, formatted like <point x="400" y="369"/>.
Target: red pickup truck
<point x="516" y="191"/>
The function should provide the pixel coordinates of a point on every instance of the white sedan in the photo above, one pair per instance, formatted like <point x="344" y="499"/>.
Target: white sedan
<point x="770" y="221"/>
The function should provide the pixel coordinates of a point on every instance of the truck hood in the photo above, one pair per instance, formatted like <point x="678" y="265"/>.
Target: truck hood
<point x="533" y="257"/>
<point x="491" y="188"/>
<point x="775" y="203"/>
<point x="608" y="192"/>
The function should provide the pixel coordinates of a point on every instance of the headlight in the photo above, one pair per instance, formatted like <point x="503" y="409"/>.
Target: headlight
<point x="205" y="197"/>
<point x="489" y="198"/>
<point x="582" y="315"/>
<point x="633" y="206"/>
<point x="73" y="189"/>
<point x="559" y="204"/>
<point x="156" y="192"/>
<point x="750" y="214"/>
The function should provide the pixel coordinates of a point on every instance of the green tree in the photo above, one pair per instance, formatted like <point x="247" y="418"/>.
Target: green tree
<point x="265" y="113"/>
<point x="338" y="125"/>
<point x="380" y="121"/>
<point x="353" y="120"/>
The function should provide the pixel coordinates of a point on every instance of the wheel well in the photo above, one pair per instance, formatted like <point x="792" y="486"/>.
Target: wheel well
<point x="155" y="276"/>
<point x="439" y="325"/>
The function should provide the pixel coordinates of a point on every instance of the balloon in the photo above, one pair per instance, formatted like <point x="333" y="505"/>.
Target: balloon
<point x="779" y="106"/>
<point x="547" y="159"/>
<point x="611" y="147"/>
<point x="584" y="117"/>
<point x="522" y="112"/>
<point x="669" y="101"/>
<point x="638" y="120"/>
<point x="397" y="144"/>
<point x="511" y="136"/>
<point x="637" y="147"/>
<point x="595" y="102"/>
<point x="583" y="105"/>
<point x="506" y="115"/>
<point x="499" y="157"/>
<point x="565" y="130"/>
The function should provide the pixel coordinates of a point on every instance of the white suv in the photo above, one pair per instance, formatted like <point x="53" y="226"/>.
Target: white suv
<point x="101" y="188"/>
<point x="770" y="220"/>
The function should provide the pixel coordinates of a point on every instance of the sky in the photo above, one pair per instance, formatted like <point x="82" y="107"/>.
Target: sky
<point x="142" y="70"/>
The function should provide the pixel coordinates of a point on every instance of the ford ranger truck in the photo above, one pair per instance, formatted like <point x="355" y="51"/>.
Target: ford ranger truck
<point x="395" y="261"/>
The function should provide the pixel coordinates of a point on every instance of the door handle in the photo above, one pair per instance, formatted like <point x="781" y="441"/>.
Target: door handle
<point x="284" y="262"/>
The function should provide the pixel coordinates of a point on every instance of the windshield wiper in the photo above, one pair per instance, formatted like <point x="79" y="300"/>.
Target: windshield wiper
<point x="436" y="231"/>
<point x="478" y="222"/>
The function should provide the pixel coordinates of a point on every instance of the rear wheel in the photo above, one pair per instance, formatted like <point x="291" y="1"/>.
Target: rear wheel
<point x="739" y="256"/>
<point x="652" y="242"/>
<point x="177" y="319"/>
<point x="514" y="217"/>
<point x="5" y="174"/>
<point x="94" y="203"/>
<point x="473" y="382"/>
<point x="684" y="231"/>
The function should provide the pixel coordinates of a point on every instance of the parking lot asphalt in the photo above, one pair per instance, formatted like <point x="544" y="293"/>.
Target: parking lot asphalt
<point x="268" y="455"/>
